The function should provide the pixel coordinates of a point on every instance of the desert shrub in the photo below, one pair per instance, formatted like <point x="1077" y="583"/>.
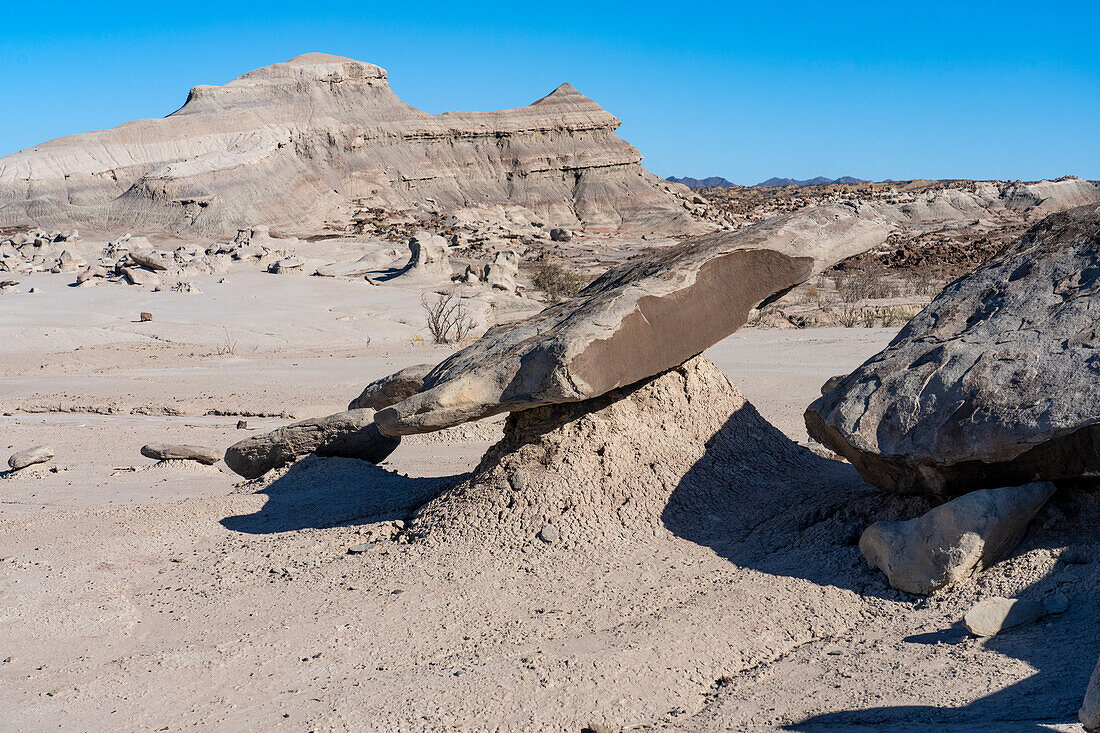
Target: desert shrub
<point x="927" y="283"/>
<point x="556" y="282"/>
<point x="811" y="294"/>
<point x="864" y="283"/>
<point x="448" y="320"/>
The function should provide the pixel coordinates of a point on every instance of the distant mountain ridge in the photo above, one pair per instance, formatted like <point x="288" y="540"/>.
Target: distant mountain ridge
<point x="718" y="181"/>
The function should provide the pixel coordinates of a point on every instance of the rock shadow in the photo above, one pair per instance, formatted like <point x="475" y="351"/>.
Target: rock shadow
<point x="317" y="493"/>
<point x="767" y="503"/>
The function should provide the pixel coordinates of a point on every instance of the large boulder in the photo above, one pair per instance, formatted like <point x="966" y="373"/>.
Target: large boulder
<point x="635" y="321"/>
<point x="948" y="543"/>
<point x="1090" y="709"/>
<point x="995" y="383"/>
<point x="350" y="434"/>
<point x="428" y="256"/>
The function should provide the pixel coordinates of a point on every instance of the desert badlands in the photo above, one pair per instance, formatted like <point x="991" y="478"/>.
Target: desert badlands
<point x="329" y="414"/>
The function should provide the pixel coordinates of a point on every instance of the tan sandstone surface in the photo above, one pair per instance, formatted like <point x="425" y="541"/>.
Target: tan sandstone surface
<point x="724" y="594"/>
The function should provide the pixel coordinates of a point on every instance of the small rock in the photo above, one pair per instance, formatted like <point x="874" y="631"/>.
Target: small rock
<point x="1090" y="710"/>
<point x="548" y="533"/>
<point x="163" y="452"/>
<point x="242" y="425"/>
<point x="145" y="316"/>
<point x="1055" y="604"/>
<point x="993" y="615"/>
<point x="30" y="456"/>
<point x="518" y="480"/>
<point x="359" y="549"/>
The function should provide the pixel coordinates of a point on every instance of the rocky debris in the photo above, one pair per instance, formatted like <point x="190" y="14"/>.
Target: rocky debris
<point x="297" y="143"/>
<point x="561" y="235"/>
<point x="950" y="542"/>
<point x="30" y="456"/>
<point x="630" y="323"/>
<point x="93" y="271"/>
<point x="995" y="383"/>
<point x="287" y="264"/>
<point x="242" y="425"/>
<point x="1089" y="715"/>
<point x="69" y="262"/>
<point x="994" y="615"/>
<point x="350" y="434"/>
<point x="186" y="287"/>
<point x="168" y="452"/>
<point x="392" y="389"/>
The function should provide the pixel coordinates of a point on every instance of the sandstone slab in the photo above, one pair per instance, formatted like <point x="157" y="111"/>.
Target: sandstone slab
<point x="994" y="615"/>
<point x="635" y="321"/>
<point x="167" y="452"/>
<point x="30" y="457"/>
<point x="995" y="383"/>
<point x="392" y="389"/>
<point x="950" y="542"/>
<point x="350" y="434"/>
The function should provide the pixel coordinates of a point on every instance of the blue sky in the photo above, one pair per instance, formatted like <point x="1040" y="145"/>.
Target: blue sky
<point x="741" y="90"/>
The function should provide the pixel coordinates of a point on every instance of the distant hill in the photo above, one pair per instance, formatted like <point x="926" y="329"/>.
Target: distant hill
<point x="819" y="181"/>
<point x="713" y="181"/>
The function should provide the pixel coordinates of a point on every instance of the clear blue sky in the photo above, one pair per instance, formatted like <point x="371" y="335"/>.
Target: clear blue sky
<point x="742" y="90"/>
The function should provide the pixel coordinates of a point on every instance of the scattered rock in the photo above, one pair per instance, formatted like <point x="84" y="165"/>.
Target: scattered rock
<point x="242" y="425"/>
<point x="145" y="316"/>
<point x="150" y="260"/>
<point x="1089" y="714"/>
<point x="30" y="456"/>
<point x="952" y="541"/>
<point x="629" y="324"/>
<point x="350" y="434"/>
<point x="165" y="452"/>
<point x="561" y="235"/>
<point x="548" y="533"/>
<point x="994" y="615"/>
<point x="1055" y="604"/>
<point x="993" y="384"/>
<point x="360" y="549"/>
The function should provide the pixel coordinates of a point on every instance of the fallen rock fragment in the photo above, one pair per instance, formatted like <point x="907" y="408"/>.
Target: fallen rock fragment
<point x="994" y="615"/>
<point x="30" y="456"/>
<point x="145" y="316"/>
<point x="150" y="260"/>
<point x="1089" y="714"/>
<point x="993" y="384"/>
<point x="950" y="542"/>
<point x="560" y="235"/>
<point x="350" y="434"/>
<point x="141" y="277"/>
<point x="166" y="452"/>
<point x="392" y="389"/>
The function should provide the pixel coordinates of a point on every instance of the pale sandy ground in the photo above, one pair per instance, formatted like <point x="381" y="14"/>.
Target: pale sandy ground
<point x="138" y="596"/>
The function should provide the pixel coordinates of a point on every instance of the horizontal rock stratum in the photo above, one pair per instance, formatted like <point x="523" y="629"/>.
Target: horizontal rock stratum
<point x="298" y="144"/>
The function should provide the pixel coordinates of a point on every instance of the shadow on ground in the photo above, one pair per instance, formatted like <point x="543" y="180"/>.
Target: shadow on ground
<point x="326" y="492"/>
<point x="766" y="503"/>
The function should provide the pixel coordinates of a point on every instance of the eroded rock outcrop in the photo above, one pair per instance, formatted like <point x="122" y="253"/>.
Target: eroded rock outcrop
<point x="995" y="383"/>
<point x="635" y="321"/>
<point x="299" y="144"/>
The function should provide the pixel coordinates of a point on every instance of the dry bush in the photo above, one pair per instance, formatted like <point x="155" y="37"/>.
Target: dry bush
<point x="928" y="283"/>
<point x="448" y="320"/>
<point x="556" y="282"/>
<point x="866" y="282"/>
<point x="811" y="294"/>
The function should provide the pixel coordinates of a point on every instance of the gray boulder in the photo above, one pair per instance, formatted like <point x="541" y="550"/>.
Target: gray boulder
<point x="165" y="452"/>
<point x="30" y="456"/>
<point x="995" y="383"/>
<point x="950" y="542"/>
<point x="350" y="434"/>
<point x="141" y="277"/>
<point x="1089" y="714"/>
<point x="149" y="259"/>
<point x="561" y="235"/>
<point x="635" y="321"/>
<point x="428" y="256"/>
<point x="392" y="389"/>
<point x="994" y="615"/>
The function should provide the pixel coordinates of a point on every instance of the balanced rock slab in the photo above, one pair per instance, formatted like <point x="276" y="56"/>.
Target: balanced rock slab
<point x="995" y="383"/>
<point x="167" y="452"/>
<point x="350" y="434"/>
<point x="637" y="320"/>
<point x="948" y="543"/>
<point x="392" y="389"/>
<point x="30" y="457"/>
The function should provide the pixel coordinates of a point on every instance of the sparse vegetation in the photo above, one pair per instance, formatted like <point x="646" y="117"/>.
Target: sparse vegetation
<point x="229" y="347"/>
<point x="866" y="282"/>
<point x="556" y="282"/>
<point x="448" y="320"/>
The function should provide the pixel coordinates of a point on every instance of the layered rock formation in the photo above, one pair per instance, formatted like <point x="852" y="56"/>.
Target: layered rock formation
<point x="294" y="144"/>
<point x="995" y="383"/>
